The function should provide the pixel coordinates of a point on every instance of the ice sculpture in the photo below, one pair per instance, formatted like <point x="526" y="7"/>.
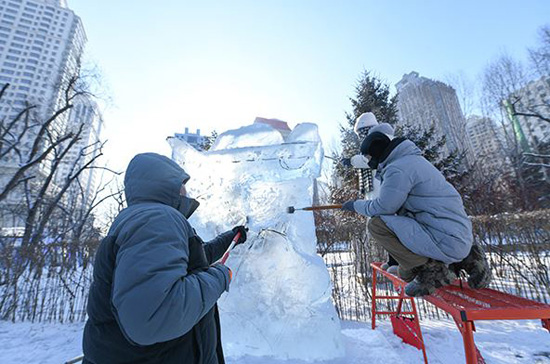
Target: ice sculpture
<point x="279" y="304"/>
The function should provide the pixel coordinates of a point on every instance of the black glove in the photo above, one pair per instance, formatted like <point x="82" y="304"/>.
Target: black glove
<point x="346" y="162"/>
<point x="240" y="229"/>
<point x="348" y="206"/>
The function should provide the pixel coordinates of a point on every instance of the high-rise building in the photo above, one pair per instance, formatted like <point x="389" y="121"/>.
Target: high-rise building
<point x="534" y="98"/>
<point x="424" y="102"/>
<point x="41" y="43"/>
<point x="484" y="144"/>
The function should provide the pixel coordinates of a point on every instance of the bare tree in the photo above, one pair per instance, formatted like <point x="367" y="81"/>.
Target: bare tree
<point x="505" y="99"/>
<point x="45" y="193"/>
<point x="540" y="55"/>
<point x="466" y="91"/>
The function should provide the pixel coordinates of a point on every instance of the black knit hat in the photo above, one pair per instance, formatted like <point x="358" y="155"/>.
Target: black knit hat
<point x="374" y="144"/>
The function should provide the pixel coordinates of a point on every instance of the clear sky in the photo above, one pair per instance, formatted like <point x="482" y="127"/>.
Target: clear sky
<point x="173" y="64"/>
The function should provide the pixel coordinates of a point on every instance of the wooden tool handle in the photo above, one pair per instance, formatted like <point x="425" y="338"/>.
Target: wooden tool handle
<point x="324" y="207"/>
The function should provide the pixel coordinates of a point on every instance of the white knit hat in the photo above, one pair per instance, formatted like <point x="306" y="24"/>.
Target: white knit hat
<point x="366" y="120"/>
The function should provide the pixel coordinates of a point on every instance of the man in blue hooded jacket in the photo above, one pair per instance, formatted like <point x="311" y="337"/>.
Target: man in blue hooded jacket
<point x="155" y="285"/>
<point x="418" y="217"/>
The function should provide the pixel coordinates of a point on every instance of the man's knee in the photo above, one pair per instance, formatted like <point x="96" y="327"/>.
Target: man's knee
<point x="376" y="226"/>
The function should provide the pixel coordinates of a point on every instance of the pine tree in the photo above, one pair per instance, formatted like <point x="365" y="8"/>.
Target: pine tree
<point x="209" y="141"/>
<point x="371" y="95"/>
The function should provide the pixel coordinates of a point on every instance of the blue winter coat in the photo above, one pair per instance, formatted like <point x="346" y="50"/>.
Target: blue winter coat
<point x="420" y="206"/>
<point x="154" y="292"/>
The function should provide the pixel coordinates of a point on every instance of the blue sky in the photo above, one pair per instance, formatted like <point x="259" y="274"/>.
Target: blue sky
<point x="218" y="64"/>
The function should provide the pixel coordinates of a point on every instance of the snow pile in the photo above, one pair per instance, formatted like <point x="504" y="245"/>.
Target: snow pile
<point x="280" y="303"/>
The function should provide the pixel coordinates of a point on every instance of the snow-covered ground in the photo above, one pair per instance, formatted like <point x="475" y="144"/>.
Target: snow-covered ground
<point x="502" y="342"/>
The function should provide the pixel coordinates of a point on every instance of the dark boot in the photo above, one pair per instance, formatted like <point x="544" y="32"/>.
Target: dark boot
<point x="431" y="275"/>
<point x="407" y="275"/>
<point x="477" y="267"/>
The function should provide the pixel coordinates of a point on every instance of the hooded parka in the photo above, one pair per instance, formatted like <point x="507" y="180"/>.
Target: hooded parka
<point x="153" y="296"/>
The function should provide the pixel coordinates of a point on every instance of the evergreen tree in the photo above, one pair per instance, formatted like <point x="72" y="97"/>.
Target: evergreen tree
<point x="209" y="140"/>
<point x="371" y="95"/>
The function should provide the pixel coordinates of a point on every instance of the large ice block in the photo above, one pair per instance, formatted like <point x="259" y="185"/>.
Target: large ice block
<point x="279" y="304"/>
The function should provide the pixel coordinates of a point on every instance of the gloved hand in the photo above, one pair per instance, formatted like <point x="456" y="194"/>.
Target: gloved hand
<point x="346" y="162"/>
<point x="240" y="229"/>
<point x="348" y="206"/>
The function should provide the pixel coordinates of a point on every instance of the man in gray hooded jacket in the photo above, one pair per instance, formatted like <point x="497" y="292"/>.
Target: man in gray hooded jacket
<point x="155" y="287"/>
<point x="419" y="217"/>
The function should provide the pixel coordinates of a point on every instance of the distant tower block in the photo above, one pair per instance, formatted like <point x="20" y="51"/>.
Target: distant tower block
<point x="424" y="102"/>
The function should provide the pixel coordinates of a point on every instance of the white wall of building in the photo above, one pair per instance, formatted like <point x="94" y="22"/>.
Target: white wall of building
<point x="484" y="145"/>
<point x="535" y="97"/>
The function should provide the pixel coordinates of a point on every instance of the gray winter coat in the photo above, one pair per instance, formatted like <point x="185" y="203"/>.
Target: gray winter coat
<point x="153" y="285"/>
<point x="420" y="206"/>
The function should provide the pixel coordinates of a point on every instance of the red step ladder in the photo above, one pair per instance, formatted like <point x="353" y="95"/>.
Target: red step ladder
<point x="464" y="304"/>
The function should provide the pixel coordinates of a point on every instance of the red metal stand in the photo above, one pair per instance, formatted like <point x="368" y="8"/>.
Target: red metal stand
<point x="406" y="327"/>
<point x="464" y="304"/>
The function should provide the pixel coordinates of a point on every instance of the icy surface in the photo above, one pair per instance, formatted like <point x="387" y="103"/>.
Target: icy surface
<point x="248" y="136"/>
<point x="279" y="304"/>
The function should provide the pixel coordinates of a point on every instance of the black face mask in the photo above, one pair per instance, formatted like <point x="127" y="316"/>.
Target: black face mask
<point x="373" y="163"/>
<point x="187" y="206"/>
